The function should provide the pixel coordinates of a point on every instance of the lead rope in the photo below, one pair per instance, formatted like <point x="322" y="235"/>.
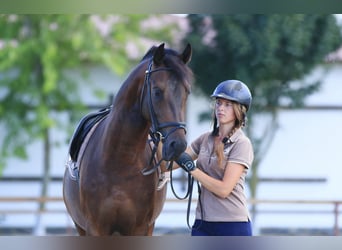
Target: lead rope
<point x="188" y="194"/>
<point x="191" y="185"/>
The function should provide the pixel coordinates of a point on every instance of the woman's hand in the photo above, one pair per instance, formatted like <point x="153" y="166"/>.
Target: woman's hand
<point x="185" y="161"/>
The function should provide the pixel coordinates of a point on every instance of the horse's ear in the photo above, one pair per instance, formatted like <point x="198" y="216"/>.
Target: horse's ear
<point x="159" y="54"/>
<point x="149" y="53"/>
<point x="186" y="55"/>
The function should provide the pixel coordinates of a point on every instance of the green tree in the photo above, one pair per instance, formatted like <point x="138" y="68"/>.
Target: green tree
<point x="271" y="53"/>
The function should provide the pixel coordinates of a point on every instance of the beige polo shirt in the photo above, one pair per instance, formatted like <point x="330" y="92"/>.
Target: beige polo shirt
<point x="234" y="207"/>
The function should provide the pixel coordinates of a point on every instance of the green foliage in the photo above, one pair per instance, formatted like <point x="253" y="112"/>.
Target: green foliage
<point x="35" y="50"/>
<point x="268" y="52"/>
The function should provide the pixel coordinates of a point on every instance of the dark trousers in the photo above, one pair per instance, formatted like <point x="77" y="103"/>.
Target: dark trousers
<point x="207" y="228"/>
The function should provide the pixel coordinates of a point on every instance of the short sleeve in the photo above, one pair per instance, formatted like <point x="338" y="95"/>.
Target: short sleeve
<point x="242" y="152"/>
<point x="196" y="144"/>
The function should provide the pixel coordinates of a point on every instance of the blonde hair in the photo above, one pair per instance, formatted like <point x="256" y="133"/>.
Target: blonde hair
<point x="240" y="112"/>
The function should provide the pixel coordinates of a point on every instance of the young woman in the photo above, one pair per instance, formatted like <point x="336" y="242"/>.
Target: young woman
<point x="223" y="156"/>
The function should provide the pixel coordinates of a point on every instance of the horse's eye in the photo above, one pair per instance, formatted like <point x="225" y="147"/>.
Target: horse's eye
<point x="157" y="93"/>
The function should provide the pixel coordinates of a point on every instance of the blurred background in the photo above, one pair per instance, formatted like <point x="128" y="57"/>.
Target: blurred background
<point x="54" y="69"/>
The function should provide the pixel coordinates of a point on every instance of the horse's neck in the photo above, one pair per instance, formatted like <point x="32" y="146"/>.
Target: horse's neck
<point x="126" y="130"/>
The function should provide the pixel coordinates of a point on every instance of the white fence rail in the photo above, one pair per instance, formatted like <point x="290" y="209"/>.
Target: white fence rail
<point x="334" y="204"/>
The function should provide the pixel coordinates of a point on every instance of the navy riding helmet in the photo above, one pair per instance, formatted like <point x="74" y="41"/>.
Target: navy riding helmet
<point x="234" y="90"/>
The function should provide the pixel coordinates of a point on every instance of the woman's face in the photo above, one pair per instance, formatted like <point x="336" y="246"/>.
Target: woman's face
<point x="224" y="111"/>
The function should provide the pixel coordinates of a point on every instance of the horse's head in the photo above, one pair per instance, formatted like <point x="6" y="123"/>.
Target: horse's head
<point x="166" y="88"/>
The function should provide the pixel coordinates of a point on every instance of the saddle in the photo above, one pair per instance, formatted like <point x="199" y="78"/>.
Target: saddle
<point x="83" y="128"/>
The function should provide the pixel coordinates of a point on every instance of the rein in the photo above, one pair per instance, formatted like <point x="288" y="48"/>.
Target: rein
<point x="187" y="194"/>
<point x="156" y="128"/>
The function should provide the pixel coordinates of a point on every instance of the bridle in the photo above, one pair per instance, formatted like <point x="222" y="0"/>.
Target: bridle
<point x="156" y="130"/>
<point x="157" y="135"/>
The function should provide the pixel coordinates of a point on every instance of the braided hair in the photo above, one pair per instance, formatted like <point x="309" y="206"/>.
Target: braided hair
<point x="240" y="121"/>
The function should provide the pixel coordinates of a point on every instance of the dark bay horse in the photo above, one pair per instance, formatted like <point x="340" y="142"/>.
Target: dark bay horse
<point x="111" y="194"/>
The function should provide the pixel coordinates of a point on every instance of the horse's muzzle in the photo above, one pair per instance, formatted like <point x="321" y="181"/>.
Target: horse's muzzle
<point x="172" y="148"/>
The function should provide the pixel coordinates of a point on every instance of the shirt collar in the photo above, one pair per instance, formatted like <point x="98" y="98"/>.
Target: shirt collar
<point x="236" y="135"/>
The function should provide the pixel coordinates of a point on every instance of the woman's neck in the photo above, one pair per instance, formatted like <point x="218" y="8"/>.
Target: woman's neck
<point x="226" y="130"/>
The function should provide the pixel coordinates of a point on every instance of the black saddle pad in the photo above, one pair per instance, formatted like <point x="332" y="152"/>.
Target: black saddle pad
<point x="83" y="128"/>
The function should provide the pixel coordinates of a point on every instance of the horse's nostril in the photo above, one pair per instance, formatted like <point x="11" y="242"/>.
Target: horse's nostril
<point x="173" y="149"/>
<point x="177" y="147"/>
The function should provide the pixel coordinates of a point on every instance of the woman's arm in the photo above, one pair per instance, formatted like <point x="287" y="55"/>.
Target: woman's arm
<point x="222" y="188"/>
